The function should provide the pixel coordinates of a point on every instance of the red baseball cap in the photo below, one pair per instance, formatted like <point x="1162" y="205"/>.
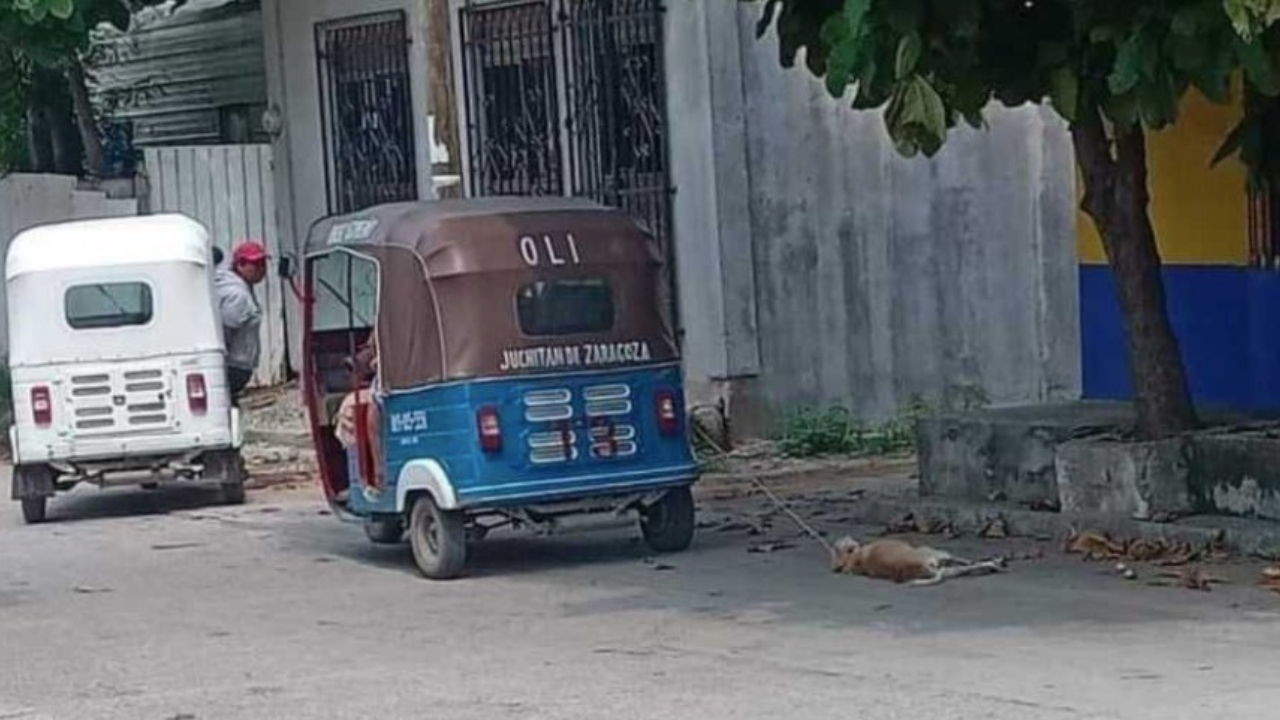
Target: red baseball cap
<point x="249" y="252"/>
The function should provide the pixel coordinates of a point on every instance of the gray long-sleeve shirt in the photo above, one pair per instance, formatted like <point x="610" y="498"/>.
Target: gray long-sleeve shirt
<point x="241" y="318"/>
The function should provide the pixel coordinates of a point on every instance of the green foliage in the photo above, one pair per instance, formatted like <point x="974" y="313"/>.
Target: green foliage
<point x="46" y="34"/>
<point x="836" y="431"/>
<point x="1252" y="17"/>
<point x="810" y="433"/>
<point x="14" y="79"/>
<point x="935" y="63"/>
<point x="38" y="10"/>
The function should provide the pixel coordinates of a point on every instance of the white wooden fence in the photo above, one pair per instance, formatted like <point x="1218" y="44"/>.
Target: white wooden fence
<point x="230" y="190"/>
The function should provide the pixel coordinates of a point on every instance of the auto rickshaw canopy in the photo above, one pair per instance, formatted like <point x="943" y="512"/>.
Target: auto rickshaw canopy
<point x="459" y="280"/>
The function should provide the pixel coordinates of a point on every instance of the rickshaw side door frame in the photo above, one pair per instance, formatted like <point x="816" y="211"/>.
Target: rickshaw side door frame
<point x="318" y="385"/>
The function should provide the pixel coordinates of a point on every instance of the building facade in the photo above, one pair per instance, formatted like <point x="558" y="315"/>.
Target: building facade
<point x="810" y="265"/>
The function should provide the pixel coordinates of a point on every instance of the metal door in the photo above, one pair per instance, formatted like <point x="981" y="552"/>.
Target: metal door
<point x="366" y="111"/>
<point x="568" y="96"/>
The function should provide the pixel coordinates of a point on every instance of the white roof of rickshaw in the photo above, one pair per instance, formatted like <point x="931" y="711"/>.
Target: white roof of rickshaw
<point x="116" y="241"/>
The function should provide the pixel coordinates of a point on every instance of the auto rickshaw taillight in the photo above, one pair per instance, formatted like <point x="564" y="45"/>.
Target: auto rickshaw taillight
<point x="668" y="416"/>
<point x="41" y="406"/>
<point x="197" y="394"/>
<point x="490" y="429"/>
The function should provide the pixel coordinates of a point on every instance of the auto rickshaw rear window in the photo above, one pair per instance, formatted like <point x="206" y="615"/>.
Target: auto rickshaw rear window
<point x="109" y="305"/>
<point x="565" y="307"/>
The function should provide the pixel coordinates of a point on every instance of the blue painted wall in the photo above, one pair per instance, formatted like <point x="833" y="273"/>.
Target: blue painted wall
<point x="1227" y="320"/>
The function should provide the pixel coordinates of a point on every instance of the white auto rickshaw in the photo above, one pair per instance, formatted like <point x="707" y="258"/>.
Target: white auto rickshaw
<point x="117" y="361"/>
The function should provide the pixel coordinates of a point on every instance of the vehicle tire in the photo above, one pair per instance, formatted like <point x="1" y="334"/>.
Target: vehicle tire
<point x="34" y="510"/>
<point x="33" y="485"/>
<point x="668" y="524"/>
<point x="228" y="468"/>
<point x="438" y="538"/>
<point x="233" y="493"/>
<point x="384" y="532"/>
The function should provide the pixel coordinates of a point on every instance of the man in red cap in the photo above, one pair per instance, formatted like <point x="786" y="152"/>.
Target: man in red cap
<point x="240" y="311"/>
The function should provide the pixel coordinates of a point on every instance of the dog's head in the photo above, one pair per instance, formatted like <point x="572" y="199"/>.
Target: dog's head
<point x="846" y="550"/>
<point x="847" y="545"/>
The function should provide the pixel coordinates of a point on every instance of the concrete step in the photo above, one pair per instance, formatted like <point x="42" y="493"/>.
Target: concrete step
<point x="1259" y="538"/>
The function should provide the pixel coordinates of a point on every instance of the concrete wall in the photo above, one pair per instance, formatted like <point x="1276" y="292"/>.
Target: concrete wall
<point x="30" y="200"/>
<point x="293" y="87"/>
<point x="293" y="91"/>
<point x="819" y="267"/>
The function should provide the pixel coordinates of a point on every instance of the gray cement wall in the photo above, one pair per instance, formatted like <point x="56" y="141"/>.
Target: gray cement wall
<point x="30" y="200"/>
<point x="819" y="267"/>
<point x="293" y="88"/>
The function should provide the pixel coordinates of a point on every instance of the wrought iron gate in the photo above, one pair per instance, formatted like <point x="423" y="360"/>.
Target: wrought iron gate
<point x="569" y="96"/>
<point x="366" y="111"/>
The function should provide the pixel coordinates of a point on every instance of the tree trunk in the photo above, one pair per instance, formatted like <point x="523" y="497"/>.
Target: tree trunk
<point x="52" y="128"/>
<point x="39" y="141"/>
<point x="1116" y="198"/>
<point x="94" y="159"/>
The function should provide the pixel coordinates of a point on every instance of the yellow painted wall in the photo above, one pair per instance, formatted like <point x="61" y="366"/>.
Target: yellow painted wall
<point x="1200" y="213"/>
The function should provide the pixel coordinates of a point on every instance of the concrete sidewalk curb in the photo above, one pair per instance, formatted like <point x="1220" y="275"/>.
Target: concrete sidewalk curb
<point x="1250" y="537"/>
<point x="279" y="439"/>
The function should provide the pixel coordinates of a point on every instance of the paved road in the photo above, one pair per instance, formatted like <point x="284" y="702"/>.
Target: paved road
<point x="157" y="606"/>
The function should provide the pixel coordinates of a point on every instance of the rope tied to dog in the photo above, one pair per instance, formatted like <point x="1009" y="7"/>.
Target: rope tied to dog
<point x="778" y="502"/>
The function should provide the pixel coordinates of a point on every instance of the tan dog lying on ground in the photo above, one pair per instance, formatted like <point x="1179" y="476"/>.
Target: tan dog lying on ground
<point x="902" y="562"/>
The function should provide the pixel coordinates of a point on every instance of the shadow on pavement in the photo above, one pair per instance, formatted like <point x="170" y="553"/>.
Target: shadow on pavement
<point x="90" y="503"/>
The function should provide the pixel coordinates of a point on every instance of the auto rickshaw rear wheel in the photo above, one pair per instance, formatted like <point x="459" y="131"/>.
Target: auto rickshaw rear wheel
<point x="227" y="467"/>
<point x="34" y="510"/>
<point x="668" y="524"/>
<point x="438" y="538"/>
<point x="385" y="532"/>
<point x="33" y="485"/>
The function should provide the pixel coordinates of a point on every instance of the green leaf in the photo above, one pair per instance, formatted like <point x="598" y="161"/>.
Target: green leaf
<point x="963" y="17"/>
<point x="1188" y="54"/>
<point x="1129" y="64"/>
<point x="1103" y="35"/>
<point x="1064" y="92"/>
<point x="904" y="16"/>
<point x="1158" y="101"/>
<point x="843" y="34"/>
<point x="855" y="11"/>
<point x="1186" y="20"/>
<point x="61" y="9"/>
<point x="975" y="120"/>
<point x="917" y="118"/>
<point x="766" y="17"/>
<point x="908" y="55"/>
<point x="970" y="96"/>
<point x="1259" y="67"/>
<point x="1122" y="110"/>
<point x="1052" y="54"/>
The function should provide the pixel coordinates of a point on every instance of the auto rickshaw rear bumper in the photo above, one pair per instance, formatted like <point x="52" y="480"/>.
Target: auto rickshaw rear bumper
<point x="429" y="476"/>
<point x="115" y="448"/>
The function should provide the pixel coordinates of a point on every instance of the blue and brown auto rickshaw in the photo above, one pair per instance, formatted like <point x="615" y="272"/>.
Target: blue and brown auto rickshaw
<point x="526" y="373"/>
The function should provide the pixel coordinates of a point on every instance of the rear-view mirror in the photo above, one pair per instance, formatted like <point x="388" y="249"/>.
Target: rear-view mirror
<point x="287" y="268"/>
